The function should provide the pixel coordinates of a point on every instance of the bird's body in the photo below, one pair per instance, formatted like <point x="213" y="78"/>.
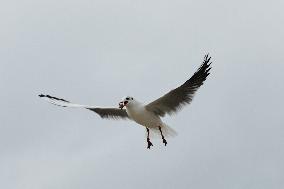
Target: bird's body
<point x="138" y="113"/>
<point x="149" y="115"/>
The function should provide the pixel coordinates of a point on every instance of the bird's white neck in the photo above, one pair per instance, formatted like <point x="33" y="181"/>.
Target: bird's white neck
<point x="135" y="110"/>
<point x="134" y="104"/>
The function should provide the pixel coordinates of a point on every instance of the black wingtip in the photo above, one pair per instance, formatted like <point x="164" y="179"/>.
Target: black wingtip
<point x="207" y="59"/>
<point x="52" y="97"/>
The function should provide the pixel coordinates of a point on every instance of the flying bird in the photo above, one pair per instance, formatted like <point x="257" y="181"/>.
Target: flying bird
<point x="149" y="115"/>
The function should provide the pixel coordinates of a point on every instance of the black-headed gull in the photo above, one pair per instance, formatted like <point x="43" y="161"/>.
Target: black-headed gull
<point x="149" y="115"/>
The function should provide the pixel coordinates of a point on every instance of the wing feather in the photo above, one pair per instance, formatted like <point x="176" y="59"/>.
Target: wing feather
<point x="174" y="100"/>
<point x="110" y="113"/>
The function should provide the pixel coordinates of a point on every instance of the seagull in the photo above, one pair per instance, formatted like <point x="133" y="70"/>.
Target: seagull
<point x="149" y="115"/>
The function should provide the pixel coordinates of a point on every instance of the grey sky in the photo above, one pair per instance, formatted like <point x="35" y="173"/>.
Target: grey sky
<point x="96" y="52"/>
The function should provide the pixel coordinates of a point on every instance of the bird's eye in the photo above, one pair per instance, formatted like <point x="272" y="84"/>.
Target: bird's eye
<point x="127" y="98"/>
<point x="131" y="98"/>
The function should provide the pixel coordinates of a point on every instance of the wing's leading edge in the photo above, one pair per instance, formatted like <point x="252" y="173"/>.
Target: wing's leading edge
<point x="111" y="113"/>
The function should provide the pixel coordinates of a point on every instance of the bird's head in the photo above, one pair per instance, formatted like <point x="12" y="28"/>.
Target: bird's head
<point x="126" y="101"/>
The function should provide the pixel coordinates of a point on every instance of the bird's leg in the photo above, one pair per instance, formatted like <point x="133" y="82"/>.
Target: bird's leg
<point x="164" y="140"/>
<point x="148" y="139"/>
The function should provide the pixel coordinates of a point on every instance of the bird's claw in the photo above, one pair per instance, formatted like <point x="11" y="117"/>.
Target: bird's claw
<point x="149" y="143"/>
<point x="165" y="142"/>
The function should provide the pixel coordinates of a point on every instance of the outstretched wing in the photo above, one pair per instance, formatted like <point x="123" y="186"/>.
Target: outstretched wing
<point x="179" y="97"/>
<point x="112" y="113"/>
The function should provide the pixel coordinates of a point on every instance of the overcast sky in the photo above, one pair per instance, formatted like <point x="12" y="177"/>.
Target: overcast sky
<point x="98" y="51"/>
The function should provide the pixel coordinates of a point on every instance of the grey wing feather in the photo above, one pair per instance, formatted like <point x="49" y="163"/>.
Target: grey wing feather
<point x="179" y="97"/>
<point x="112" y="113"/>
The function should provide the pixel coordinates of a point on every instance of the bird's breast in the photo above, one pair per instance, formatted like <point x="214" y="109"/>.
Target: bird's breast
<point x="141" y="116"/>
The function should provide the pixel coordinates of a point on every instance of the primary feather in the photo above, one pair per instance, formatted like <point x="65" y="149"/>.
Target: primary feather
<point x="112" y="113"/>
<point x="177" y="98"/>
